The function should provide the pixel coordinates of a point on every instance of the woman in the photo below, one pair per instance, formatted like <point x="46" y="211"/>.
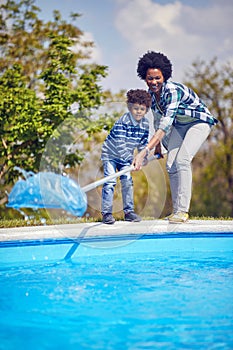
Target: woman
<point x="182" y="123"/>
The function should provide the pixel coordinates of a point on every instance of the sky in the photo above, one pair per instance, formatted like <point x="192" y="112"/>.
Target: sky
<point x="123" y="30"/>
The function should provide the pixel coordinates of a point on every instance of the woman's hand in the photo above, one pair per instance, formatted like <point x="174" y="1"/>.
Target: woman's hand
<point x="158" y="150"/>
<point x="154" y="142"/>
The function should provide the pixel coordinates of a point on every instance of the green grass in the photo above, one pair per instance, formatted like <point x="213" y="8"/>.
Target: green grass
<point x="210" y="218"/>
<point x="37" y="222"/>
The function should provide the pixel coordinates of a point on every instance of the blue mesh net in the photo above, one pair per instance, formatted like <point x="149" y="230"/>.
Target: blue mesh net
<point x="47" y="190"/>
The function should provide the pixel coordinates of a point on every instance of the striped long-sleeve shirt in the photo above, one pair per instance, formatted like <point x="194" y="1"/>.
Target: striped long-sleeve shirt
<point x="178" y="100"/>
<point x="125" y="136"/>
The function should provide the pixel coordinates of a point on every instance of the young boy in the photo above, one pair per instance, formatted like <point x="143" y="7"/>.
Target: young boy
<point x="131" y="131"/>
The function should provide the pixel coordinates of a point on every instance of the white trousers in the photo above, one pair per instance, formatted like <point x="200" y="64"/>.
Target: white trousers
<point x="184" y="142"/>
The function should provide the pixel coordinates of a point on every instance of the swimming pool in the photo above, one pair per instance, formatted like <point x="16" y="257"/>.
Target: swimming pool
<point x="169" y="291"/>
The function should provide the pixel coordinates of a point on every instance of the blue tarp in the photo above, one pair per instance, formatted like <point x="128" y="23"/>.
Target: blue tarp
<point x="47" y="190"/>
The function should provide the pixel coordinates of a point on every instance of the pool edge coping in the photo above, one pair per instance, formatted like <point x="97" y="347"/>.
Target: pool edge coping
<point x="120" y="228"/>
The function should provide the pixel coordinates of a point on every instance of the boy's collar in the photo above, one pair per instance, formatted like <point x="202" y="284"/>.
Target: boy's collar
<point x="135" y="123"/>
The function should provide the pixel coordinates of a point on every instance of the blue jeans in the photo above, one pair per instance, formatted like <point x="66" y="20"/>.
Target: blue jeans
<point x="110" y="167"/>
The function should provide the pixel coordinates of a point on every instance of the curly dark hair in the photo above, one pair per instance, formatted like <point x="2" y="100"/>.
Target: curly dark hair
<point x="139" y="96"/>
<point x="157" y="60"/>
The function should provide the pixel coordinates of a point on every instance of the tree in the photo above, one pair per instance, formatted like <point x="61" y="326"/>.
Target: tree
<point x="213" y="169"/>
<point x="25" y="38"/>
<point x="20" y="124"/>
<point x="40" y="80"/>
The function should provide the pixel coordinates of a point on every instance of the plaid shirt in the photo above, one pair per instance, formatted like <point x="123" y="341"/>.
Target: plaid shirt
<point x="178" y="99"/>
<point x="125" y="135"/>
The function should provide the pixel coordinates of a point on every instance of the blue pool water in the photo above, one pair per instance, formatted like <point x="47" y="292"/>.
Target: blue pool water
<point x="163" y="293"/>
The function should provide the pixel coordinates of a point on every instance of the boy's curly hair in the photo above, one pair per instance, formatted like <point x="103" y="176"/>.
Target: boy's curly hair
<point x="139" y="96"/>
<point x="157" y="60"/>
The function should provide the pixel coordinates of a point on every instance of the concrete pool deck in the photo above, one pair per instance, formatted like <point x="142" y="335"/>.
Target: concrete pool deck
<point x="120" y="228"/>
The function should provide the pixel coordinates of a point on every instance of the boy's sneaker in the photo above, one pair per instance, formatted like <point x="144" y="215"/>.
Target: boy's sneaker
<point x="108" y="219"/>
<point x="132" y="217"/>
<point x="179" y="217"/>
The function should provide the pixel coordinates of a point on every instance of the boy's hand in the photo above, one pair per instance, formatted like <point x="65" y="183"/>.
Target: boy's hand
<point x="138" y="159"/>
